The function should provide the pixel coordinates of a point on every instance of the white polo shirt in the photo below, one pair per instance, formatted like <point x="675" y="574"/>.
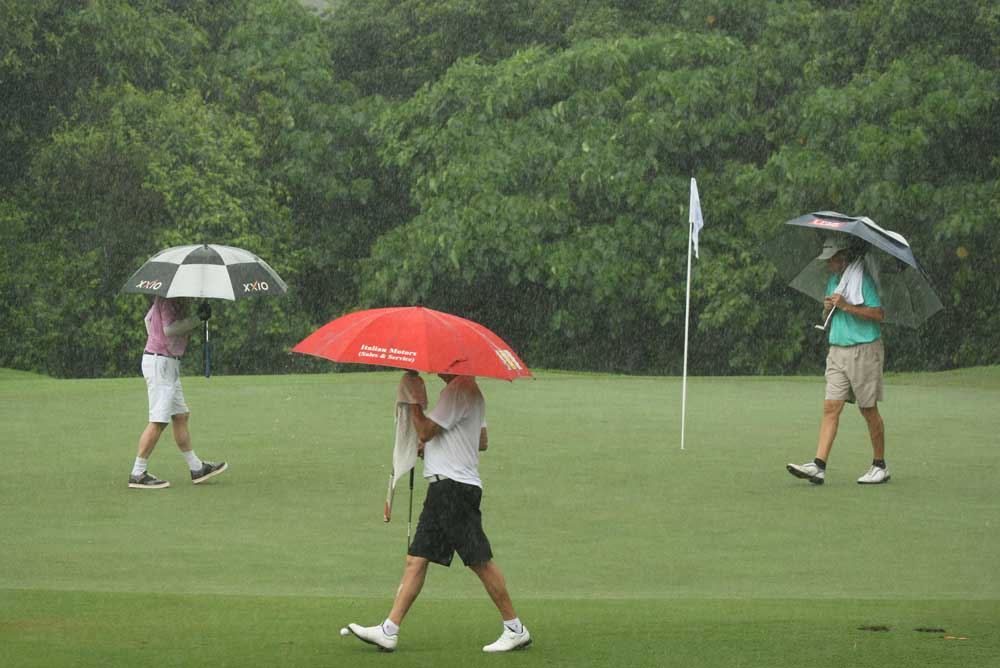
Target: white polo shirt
<point x="461" y="414"/>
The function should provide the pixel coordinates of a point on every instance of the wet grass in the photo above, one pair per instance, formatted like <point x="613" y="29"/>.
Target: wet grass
<point x="619" y="548"/>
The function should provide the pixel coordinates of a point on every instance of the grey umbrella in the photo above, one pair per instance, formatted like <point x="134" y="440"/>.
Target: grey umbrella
<point x="904" y="287"/>
<point x="205" y="271"/>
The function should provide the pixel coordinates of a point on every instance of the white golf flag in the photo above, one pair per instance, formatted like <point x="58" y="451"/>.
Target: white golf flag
<point x="695" y="219"/>
<point x="695" y="223"/>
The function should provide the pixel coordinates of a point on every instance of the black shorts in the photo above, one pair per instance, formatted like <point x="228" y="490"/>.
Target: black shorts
<point x="451" y="522"/>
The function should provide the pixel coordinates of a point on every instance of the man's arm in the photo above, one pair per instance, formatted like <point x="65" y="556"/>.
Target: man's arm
<point x="426" y="427"/>
<point x="174" y="317"/>
<point x="484" y="441"/>
<point x="179" y="327"/>
<point x="867" y="312"/>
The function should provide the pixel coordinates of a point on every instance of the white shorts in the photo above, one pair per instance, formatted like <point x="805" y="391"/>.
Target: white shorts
<point x="163" y="385"/>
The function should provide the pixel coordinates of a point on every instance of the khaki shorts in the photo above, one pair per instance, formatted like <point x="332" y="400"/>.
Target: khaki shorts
<point x="854" y="373"/>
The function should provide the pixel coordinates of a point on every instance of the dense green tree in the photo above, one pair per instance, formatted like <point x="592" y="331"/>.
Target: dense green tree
<point x="313" y="129"/>
<point x="563" y="178"/>
<point x="32" y="34"/>
<point x="525" y="164"/>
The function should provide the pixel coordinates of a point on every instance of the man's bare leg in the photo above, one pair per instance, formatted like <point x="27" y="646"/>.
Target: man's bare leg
<point x="876" y="429"/>
<point x="413" y="581"/>
<point x="828" y="428"/>
<point x="492" y="578"/>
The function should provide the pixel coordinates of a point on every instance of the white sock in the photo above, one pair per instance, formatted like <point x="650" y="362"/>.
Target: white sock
<point x="390" y="627"/>
<point x="514" y="625"/>
<point x="139" y="466"/>
<point x="194" y="463"/>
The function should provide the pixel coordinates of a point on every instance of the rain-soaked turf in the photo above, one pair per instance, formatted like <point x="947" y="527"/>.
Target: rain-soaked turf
<point x="619" y="548"/>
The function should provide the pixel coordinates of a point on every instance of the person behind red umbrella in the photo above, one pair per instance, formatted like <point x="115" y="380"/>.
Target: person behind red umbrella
<point x="453" y="434"/>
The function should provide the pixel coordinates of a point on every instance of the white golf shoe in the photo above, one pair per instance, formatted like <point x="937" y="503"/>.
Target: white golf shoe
<point x="375" y="635"/>
<point x="874" y="476"/>
<point x="809" y="471"/>
<point x="509" y="640"/>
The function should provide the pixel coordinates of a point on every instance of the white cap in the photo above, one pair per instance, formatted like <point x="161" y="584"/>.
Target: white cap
<point x="832" y="246"/>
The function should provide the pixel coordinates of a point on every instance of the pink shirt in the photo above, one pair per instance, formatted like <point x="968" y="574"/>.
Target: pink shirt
<point x="162" y="313"/>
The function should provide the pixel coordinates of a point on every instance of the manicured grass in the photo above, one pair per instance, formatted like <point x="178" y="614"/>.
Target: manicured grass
<point x="618" y="547"/>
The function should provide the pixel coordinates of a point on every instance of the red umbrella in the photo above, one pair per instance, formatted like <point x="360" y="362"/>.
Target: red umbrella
<point x="418" y="338"/>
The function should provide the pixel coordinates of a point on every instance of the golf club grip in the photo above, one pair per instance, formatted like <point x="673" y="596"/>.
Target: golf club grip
<point x="827" y="321"/>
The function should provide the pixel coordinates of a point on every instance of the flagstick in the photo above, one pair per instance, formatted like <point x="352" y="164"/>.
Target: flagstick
<point x="687" y="318"/>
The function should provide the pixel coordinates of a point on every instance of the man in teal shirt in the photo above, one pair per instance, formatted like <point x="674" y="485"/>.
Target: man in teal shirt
<point x="853" y="365"/>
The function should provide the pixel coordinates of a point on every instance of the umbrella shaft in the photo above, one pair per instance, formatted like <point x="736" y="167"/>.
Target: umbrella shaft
<point x="409" y="519"/>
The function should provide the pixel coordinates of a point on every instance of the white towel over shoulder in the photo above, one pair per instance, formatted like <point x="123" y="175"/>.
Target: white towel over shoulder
<point x="851" y="283"/>
<point x="411" y="390"/>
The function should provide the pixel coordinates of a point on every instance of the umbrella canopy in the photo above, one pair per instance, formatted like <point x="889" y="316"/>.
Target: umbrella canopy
<point x="415" y="338"/>
<point x="205" y="271"/>
<point x="904" y="287"/>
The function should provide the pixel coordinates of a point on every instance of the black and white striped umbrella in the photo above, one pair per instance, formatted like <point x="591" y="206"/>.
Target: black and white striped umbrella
<point x="205" y="271"/>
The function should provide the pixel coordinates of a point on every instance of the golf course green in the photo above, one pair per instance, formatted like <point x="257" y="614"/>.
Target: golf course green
<point x="619" y="548"/>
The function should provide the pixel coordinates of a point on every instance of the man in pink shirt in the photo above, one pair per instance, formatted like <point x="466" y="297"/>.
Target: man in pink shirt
<point x="169" y="328"/>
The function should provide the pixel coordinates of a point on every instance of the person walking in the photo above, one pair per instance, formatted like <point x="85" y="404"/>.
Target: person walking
<point x="854" y="362"/>
<point x="168" y="328"/>
<point x="453" y="434"/>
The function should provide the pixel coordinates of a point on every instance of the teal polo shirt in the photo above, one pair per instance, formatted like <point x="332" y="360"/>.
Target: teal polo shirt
<point x="849" y="330"/>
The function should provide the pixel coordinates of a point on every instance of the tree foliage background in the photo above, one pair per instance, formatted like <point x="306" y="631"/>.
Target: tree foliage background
<point x="521" y="163"/>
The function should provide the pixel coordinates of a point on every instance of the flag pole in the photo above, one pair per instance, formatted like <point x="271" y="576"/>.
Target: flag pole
<point x="687" y="318"/>
<point x="695" y="223"/>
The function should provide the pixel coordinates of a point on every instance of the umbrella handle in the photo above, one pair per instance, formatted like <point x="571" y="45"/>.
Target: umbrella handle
<point x="409" y="519"/>
<point x="207" y="353"/>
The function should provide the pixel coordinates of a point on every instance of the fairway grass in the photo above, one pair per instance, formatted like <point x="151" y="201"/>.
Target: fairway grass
<point x="619" y="548"/>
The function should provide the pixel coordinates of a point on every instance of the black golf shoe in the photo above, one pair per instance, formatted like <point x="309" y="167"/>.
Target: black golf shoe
<point x="146" y="481"/>
<point x="207" y="470"/>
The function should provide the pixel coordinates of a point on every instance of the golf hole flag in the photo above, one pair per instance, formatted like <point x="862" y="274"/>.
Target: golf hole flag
<point x="697" y="222"/>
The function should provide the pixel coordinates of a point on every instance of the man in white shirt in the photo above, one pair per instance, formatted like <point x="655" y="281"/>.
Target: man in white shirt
<point x="453" y="434"/>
